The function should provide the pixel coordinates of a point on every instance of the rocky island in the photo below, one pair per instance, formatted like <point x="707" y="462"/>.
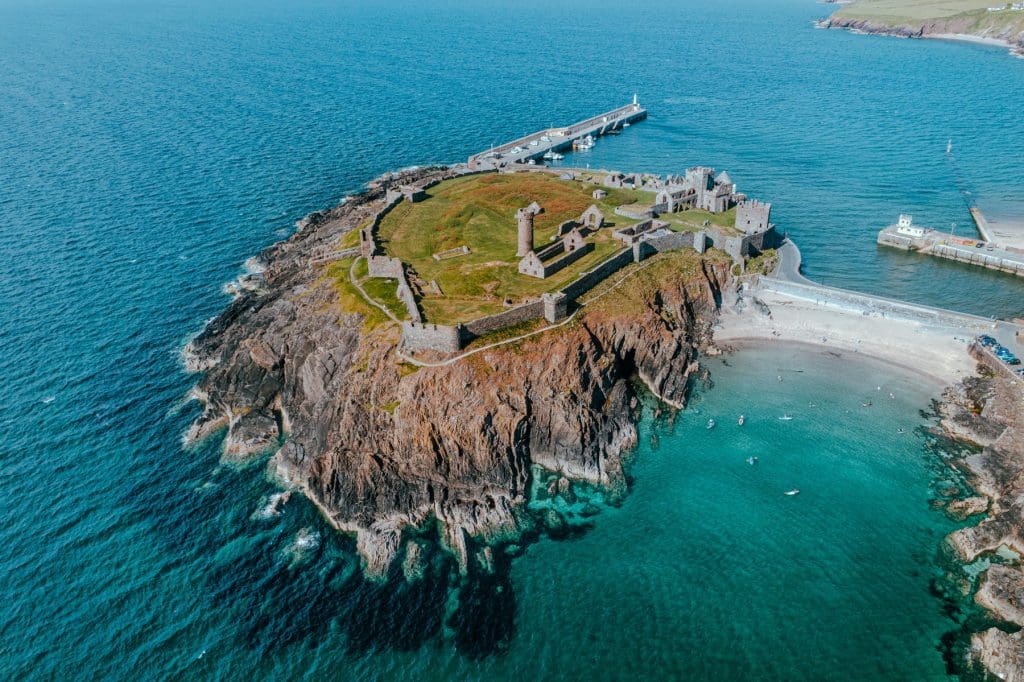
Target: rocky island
<point x="438" y="359"/>
<point x="996" y="23"/>
<point x="439" y="348"/>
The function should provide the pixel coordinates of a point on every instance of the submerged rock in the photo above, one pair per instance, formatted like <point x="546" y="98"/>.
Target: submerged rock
<point x="970" y="506"/>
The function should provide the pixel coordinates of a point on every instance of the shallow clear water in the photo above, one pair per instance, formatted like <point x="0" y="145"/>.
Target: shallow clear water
<point x="147" y="149"/>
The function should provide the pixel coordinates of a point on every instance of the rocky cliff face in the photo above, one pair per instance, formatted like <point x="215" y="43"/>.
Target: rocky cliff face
<point x="387" y="450"/>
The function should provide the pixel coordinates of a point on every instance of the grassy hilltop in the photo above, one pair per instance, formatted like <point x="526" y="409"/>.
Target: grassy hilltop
<point x="479" y="212"/>
<point x="934" y="17"/>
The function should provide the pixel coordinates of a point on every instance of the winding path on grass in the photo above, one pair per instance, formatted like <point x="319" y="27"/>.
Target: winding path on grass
<point x="362" y="292"/>
<point x="542" y="330"/>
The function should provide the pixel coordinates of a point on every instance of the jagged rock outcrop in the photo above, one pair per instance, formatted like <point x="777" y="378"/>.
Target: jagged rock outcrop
<point x="385" y="449"/>
<point x="989" y="410"/>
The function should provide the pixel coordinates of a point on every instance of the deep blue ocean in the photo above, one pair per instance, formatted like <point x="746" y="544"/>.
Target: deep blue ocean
<point x="148" y="148"/>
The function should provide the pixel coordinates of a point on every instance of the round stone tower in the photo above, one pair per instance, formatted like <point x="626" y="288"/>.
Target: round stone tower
<point x="524" y="218"/>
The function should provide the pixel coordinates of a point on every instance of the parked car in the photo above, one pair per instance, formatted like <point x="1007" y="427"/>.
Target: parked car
<point x="986" y="340"/>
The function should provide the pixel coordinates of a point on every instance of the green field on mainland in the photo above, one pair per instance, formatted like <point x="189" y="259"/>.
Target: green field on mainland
<point x="972" y="16"/>
<point x="479" y="212"/>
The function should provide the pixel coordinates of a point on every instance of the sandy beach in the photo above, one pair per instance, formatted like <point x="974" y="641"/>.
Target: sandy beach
<point x="966" y="38"/>
<point x="938" y="353"/>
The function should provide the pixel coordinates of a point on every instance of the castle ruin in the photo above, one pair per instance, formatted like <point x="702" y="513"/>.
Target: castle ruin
<point x="641" y="238"/>
<point x="699" y="188"/>
<point x="524" y="220"/>
<point x="752" y="216"/>
<point x="570" y="244"/>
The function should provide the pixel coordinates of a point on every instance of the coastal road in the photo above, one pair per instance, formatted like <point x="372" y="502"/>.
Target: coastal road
<point x="788" y="267"/>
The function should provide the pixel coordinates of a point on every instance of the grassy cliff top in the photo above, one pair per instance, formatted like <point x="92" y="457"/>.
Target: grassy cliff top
<point x="912" y="10"/>
<point x="969" y="17"/>
<point x="479" y="212"/>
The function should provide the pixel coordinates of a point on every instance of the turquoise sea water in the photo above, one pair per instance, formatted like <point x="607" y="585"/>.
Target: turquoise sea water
<point x="147" y="149"/>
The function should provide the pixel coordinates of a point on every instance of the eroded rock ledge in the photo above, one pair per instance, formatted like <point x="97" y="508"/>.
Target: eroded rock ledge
<point x="387" y="450"/>
<point x="989" y="411"/>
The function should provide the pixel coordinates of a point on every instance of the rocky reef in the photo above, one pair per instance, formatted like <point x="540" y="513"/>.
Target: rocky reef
<point x="988" y="410"/>
<point x="391" y="451"/>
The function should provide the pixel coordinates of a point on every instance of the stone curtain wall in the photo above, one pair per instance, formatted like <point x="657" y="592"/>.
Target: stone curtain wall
<point x="595" y="276"/>
<point x="670" y="242"/>
<point x="368" y="235"/>
<point x="442" y="338"/>
<point x="507" y="318"/>
<point x="450" y="339"/>
<point x="404" y="293"/>
<point x="739" y="248"/>
<point x="555" y="266"/>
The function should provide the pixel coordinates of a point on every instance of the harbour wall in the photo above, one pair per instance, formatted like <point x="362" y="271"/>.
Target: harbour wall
<point x="985" y="260"/>
<point x="875" y="305"/>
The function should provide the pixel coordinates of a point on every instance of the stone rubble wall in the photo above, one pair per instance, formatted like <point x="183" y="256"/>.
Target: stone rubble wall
<point x="382" y="266"/>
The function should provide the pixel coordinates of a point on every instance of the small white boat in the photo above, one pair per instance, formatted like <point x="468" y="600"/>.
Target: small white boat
<point x="584" y="142"/>
<point x="711" y="424"/>
<point x="751" y="461"/>
<point x="741" y="420"/>
<point x="553" y="156"/>
<point x="531" y="162"/>
<point x="626" y="124"/>
<point x="785" y="418"/>
<point x="792" y="492"/>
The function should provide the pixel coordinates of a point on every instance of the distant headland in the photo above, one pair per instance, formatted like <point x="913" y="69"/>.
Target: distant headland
<point x="982" y="21"/>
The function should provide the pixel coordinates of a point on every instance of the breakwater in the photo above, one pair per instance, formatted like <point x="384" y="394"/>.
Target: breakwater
<point x="981" y="253"/>
<point x="536" y="145"/>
